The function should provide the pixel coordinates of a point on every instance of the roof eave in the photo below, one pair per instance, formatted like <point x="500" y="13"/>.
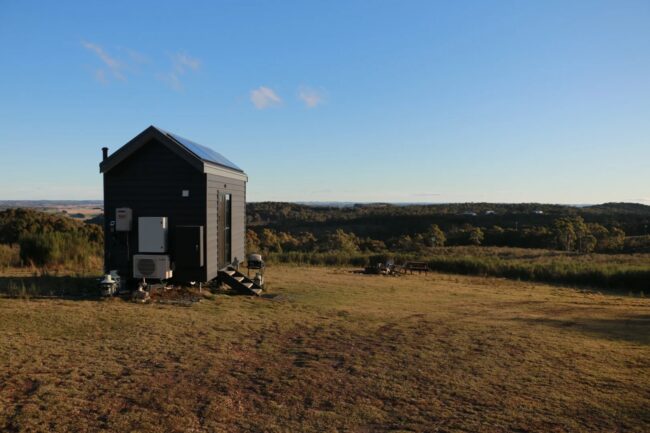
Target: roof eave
<point x="219" y="170"/>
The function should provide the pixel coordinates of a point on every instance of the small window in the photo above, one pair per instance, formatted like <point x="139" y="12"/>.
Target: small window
<point x="228" y="228"/>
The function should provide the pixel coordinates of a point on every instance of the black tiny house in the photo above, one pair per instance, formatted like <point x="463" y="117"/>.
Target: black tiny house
<point x="173" y="208"/>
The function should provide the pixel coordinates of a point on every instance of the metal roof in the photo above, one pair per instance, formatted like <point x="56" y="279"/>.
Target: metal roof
<point x="202" y="152"/>
<point x="201" y="157"/>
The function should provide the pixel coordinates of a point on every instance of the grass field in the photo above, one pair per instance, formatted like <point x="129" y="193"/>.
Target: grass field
<point x="624" y="273"/>
<point x="333" y="352"/>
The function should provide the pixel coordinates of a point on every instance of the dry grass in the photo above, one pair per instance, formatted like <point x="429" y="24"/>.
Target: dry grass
<point x="334" y="352"/>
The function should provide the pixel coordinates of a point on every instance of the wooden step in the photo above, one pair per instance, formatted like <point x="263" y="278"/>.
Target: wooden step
<point x="239" y="281"/>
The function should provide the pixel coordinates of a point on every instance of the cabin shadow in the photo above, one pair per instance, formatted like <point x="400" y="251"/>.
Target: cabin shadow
<point x="50" y="286"/>
<point x="629" y="328"/>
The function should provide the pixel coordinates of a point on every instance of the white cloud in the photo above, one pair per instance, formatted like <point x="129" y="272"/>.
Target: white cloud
<point x="172" y="79"/>
<point x="182" y="61"/>
<point x="181" y="64"/>
<point x="132" y="61"/>
<point x="100" y="75"/>
<point x="264" y="97"/>
<point x="136" y="57"/>
<point x="311" y="97"/>
<point x="114" y="66"/>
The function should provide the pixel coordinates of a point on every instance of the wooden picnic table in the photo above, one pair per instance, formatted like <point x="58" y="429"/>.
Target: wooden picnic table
<point x="415" y="266"/>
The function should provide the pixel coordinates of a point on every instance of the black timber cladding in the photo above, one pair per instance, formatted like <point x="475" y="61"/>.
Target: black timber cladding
<point x="149" y="178"/>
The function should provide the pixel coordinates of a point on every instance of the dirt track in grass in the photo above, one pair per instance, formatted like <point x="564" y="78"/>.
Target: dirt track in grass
<point x="335" y="352"/>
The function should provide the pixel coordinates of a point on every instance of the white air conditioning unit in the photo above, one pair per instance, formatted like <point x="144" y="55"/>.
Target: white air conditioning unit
<point x="151" y="266"/>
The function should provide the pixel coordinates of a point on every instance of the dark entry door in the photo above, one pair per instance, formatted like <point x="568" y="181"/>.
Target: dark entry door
<point x="188" y="253"/>
<point x="224" y="230"/>
<point x="189" y="246"/>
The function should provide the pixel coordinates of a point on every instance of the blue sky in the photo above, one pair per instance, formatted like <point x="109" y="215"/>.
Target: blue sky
<point x="401" y="101"/>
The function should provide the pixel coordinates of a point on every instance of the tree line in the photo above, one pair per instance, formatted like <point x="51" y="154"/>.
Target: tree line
<point x="566" y="233"/>
<point x="612" y="227"/>
<point x="30" y="237"/>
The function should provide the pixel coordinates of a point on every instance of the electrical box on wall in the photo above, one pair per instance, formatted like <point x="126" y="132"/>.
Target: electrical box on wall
<point x="152" y="234"/>
<point x="123" y="219"/>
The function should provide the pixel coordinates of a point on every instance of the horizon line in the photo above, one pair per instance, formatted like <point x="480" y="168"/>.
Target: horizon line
<point x="308" y="202"/>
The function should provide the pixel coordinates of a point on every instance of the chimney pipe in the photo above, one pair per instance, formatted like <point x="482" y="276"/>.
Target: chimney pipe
<point x="104" y="153"/>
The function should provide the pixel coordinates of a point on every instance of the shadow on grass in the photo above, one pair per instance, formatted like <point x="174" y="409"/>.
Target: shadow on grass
<point x="633" y="329"/>
<point x="49" y="286"/>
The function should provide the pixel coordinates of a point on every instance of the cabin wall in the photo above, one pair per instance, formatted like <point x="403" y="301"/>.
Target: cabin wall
<point x="150" y="182"/>
<point x="216" y="185"/>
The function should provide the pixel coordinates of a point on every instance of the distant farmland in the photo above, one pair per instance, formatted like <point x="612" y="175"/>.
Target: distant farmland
<point x="80" y="209"/>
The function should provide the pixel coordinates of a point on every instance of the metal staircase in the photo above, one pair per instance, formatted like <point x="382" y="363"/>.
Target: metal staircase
<point x="240" y="282"/>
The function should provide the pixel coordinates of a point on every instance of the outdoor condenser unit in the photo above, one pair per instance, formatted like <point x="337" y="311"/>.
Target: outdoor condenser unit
<point x="151" y="266"/>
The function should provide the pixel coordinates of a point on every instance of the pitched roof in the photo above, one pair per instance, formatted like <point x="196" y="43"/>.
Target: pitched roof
<point x="197" y="154"/>
<point x="202" y="152"/>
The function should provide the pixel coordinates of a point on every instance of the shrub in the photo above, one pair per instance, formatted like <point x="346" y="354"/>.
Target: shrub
<point x="38" y="249"/>
<point x="59" y="249"/>
<point x="9" y="255"/>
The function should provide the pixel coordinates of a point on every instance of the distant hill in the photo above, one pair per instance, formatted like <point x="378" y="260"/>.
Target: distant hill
<point x="5" y="204"/>
<point x="79" y="209"/>
<point x="385" y="221"/>
<point x="620" y="209"/>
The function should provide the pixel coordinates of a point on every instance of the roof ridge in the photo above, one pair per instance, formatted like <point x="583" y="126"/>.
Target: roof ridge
<point x="204" y="153"/>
